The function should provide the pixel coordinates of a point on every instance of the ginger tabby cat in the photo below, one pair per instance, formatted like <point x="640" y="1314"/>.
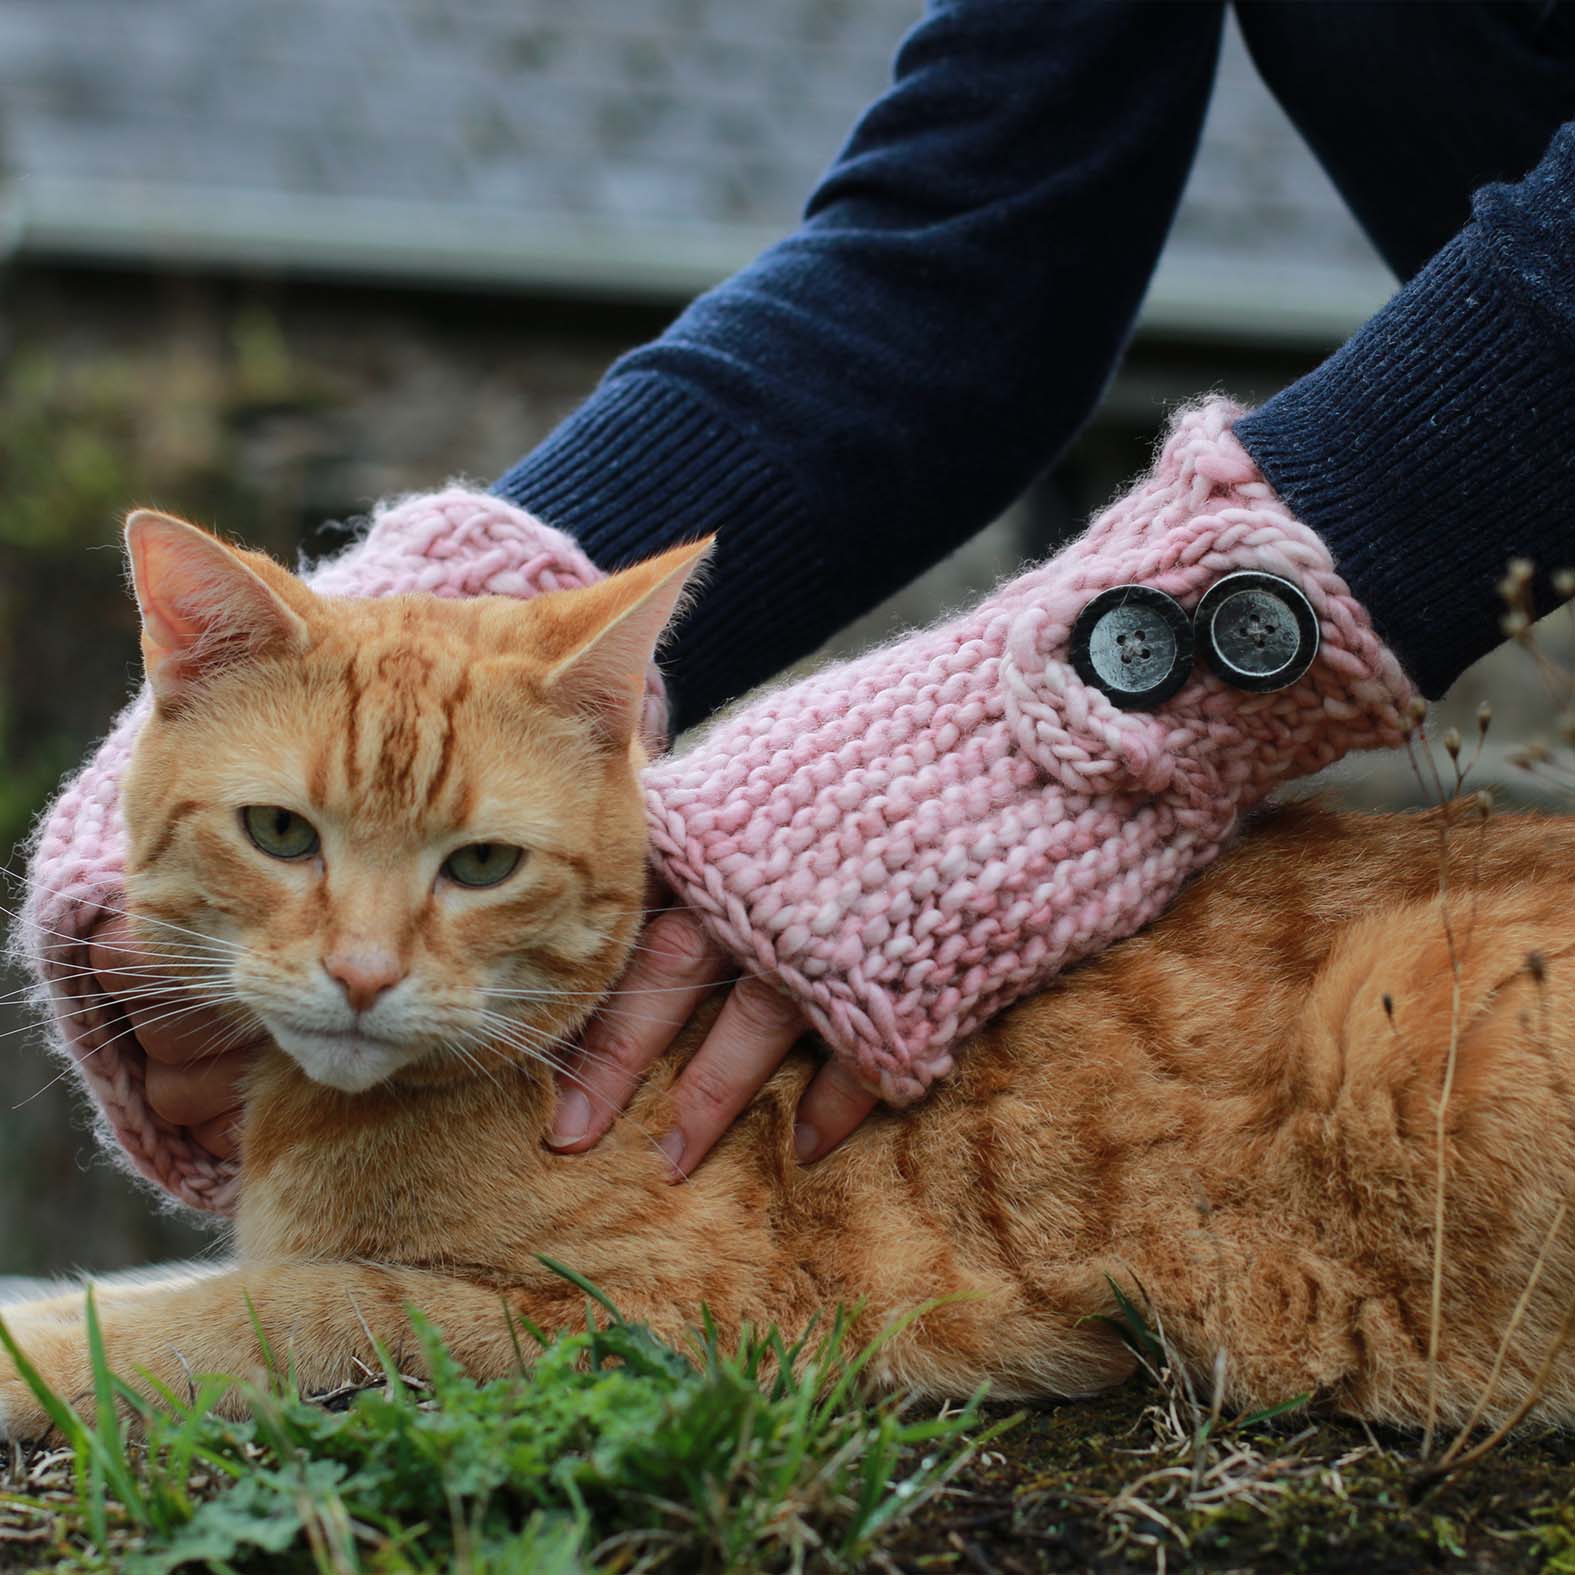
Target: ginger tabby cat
<point x="1218" y="1111"/>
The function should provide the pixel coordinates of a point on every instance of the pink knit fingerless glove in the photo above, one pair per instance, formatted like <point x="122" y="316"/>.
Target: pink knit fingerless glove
<point x="910" y="841"/>
<point x="452" y="543"/>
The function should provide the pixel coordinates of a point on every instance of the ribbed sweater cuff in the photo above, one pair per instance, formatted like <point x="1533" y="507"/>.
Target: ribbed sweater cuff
<point x="1437" y="444"/>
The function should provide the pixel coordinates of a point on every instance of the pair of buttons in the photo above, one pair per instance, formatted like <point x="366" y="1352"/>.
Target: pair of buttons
<point x="1135" y="644"/>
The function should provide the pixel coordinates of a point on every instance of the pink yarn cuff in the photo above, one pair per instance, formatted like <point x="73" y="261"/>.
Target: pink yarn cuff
<point x="451" y="543"/>
<point x="910" y="841"/>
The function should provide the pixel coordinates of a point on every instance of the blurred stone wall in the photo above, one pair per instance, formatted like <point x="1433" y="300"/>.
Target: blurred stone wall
<point x="266" y="410"/>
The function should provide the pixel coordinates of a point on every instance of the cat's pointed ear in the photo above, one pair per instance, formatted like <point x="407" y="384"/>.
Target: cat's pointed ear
<point x="203" y="605"/>
<point x="612" y="629"/>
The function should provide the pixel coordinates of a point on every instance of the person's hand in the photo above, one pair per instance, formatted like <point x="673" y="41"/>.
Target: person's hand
<point x="188" y="1084"/>
<point x="676" y="968"/>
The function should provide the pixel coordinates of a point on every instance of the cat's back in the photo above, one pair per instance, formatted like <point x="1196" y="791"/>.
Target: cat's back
<point x="1279" y="1040"/>
<point x="1241" y="1105"/>
<point x="1314" y="922"/>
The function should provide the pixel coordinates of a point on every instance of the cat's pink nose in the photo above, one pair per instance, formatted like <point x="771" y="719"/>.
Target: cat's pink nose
<point x="364" y="973"/>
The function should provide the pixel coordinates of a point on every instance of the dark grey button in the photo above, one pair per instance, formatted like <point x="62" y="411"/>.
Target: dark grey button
<point x="1134" y="644"/>
<point x="1257" y="631"/>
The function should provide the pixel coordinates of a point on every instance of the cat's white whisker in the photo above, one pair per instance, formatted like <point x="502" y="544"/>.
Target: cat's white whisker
<point x="103" y="1044"/>
<point x="145" y="963"/>
<point x="130" y="975"/>
<point x="88" y="986"/>
<point x="126" y="913"/>
<point x="236" y="1033"/>
<point x="591" y="1093"/>
<point x="675" y="907"/>
<point x="564" y="1052"/>
<point x="624" y="1014"/>
<point x="657" y="951"/>
<point x="549" y="994"/>
<point x="555" y="1052"/>
<point x="55" y="952"/>
<point x="58" y="949"/>
<point x="510" y="1031"/>
<point x="160" y="987"/>
<point x="90" y="1006"/>
<point x="203" y="1004"/>
<point x="530" y="1052"/>
<point x="164" y="951"/>
<point x="77" y="942"/>
<point x="541" y="1034"/>
<point x="467" y="1054"/>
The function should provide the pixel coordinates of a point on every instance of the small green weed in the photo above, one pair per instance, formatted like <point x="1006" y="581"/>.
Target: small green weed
<point x="610" y="1450"/>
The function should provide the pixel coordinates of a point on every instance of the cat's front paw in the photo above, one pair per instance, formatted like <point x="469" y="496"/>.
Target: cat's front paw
<point x="56" y="1347"/>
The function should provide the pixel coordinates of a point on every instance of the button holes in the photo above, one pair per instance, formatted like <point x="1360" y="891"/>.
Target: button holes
<point x="1133" y="644"/>
<point x="1252" y="629"/>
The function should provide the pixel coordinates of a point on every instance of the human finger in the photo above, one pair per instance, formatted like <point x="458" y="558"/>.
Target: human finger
<point x="831" y="1109"/>
<point x="753" y="1032"/>
<point x="193" y="1093"/>
<point x="221" y="1136"/>
<point x="677" y="966"/>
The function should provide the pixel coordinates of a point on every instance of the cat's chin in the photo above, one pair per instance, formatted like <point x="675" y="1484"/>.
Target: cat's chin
<point x="348" y="1063"/>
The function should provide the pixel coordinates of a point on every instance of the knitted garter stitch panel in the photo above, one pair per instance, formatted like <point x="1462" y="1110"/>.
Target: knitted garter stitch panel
<point x="452" y="543"/>
<point x="910" y="841"/>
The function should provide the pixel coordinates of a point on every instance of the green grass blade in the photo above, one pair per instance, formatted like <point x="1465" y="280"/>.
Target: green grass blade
<point x="1268" y="1413"/>
<point x="72" y="1428"/>
<point x="1132" y="1326"/>
<point x="108" y="1431"/>
<point x="595" y="1292"/>
<point x="270" y="1364"/>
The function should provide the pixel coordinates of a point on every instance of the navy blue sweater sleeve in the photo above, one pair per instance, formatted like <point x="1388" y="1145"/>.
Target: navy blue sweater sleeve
<point x="874" y="389"/>
<point x="1439" y="442"/>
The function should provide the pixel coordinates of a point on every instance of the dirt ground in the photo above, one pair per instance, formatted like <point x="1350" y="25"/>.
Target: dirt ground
<point x="1104" y="1485"/>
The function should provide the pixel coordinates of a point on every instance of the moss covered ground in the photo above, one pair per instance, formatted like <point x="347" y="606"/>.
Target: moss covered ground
<point x="1105" y="1485"/>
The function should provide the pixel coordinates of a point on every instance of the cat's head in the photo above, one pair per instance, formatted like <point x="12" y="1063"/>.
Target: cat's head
<point x="402" y="833"/>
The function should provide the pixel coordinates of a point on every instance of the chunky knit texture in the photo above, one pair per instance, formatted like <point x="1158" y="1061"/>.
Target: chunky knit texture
<point x="453" y="543"/>
<point x="913" y="840"/>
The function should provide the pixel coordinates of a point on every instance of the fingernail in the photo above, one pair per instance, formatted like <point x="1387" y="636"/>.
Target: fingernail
<point x="573" y="1119"/>
<point x="673" y="1147"/>
<point x="805" y="1142"/>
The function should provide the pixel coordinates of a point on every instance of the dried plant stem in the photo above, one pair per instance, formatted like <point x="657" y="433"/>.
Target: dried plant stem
<point x="1435" y="1311"/>
<point x="1521" y="1411"/>
<point x="1517" y="1317"/>
<point x="1536" y="966"/>
<point x="1203" y="1436"/>
<point x="1441" y="1114"/>
<point x="1484" y="807"/>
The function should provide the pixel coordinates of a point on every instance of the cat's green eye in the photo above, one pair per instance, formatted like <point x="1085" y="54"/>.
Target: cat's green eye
<point x="280" y="832"/>
<point x="482" y="863"/>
